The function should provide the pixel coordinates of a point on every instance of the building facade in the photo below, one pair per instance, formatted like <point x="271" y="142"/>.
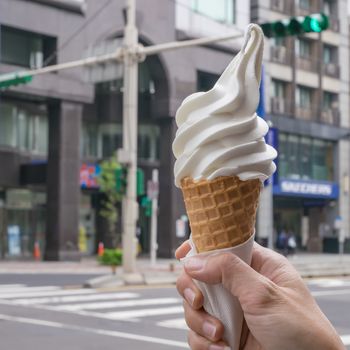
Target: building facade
<point x="55" y="130"/>
<point x="307" y="103"/>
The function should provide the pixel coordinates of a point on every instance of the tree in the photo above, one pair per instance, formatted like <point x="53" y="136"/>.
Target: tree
<point x="107" y="183"/>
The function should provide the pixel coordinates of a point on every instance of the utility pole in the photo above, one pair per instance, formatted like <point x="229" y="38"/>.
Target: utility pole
<point x="130" y="99"/>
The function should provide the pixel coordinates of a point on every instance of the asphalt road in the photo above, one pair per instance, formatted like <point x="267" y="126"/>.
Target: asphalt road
<point x="49" y="317"/>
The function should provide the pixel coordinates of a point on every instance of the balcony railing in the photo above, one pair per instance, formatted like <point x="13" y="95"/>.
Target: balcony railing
<point x="283" y="6"/>
<point x="280" y="106"/>
<point x="306" y="64"/>
<point x="306" y="113"/>
<point x="331" y="69"/>
<point x="330" y="116"/>
<point x="280" y="54"/>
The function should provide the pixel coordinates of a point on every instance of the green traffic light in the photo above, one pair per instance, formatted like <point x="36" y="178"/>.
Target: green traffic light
<point x="319" y="22"/>
<point x="296" y="25"/>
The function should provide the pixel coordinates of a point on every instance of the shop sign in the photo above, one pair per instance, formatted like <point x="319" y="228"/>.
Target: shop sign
<point x="313" y="189"/>
<point x="88" y="175"/>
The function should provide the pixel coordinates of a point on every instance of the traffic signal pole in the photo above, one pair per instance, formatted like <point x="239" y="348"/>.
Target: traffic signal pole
<point x="130" y="103"/>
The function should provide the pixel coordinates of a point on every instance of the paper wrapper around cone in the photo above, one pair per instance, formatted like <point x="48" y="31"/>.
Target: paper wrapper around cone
<point x="222" y="211"/>
<point x="222" y="215"/>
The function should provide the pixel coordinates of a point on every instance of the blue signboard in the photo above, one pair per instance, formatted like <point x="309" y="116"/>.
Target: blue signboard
<point x="306" y="189"/>
<point x="14" y="240"/>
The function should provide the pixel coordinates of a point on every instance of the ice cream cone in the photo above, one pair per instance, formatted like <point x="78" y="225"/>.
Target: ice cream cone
<point x="222" y="211"/>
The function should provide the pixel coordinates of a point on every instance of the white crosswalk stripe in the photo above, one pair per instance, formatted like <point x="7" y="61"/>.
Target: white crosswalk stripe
<point x="116" y="306"/>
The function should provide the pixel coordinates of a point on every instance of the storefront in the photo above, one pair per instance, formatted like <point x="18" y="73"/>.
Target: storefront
<point x="306" y="209"/>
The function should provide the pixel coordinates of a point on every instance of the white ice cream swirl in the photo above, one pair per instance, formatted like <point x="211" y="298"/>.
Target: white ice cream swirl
<point x="219" y="133"/>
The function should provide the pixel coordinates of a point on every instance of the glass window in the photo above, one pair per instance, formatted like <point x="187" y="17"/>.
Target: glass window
<point x="148" y="142"/>
<point x="41" y="134"/>
<point x="329" y="7"/>
<point x="278" y="41"/>
<point x="329" y="54"/>
<point x="89" y="140"/>
<point x="305" y="158"/>
<point x="303" y="97"/>
<point x="301" y="157"/>
<point x="25" y="132"/>
<point x="305" y="4"/>
<point x="330" y="100"/>
<point x="278" y="89"/>
<point x="293" y="157"/>
<point x="8" y="125"/>
<point x="283" y="168"/>
<point x="25" y="49"/>
<point x="219" y="10"/>
<point x="303" y="48"/>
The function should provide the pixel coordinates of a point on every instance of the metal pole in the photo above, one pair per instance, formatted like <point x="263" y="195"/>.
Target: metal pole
<point x="130" y="98"/>
<point x="154" y="219"/>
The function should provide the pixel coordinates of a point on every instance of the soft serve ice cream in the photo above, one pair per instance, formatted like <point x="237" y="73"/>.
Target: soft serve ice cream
<point x="221" y="161"/>
<point x="219" y="132"/>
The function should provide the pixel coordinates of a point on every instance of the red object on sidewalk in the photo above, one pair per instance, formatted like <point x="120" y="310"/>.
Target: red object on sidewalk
<point x="37" y="253"/>
<point x="101" y="249"/>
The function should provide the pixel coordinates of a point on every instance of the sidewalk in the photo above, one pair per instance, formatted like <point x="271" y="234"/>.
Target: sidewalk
<point x="166" y="270"/>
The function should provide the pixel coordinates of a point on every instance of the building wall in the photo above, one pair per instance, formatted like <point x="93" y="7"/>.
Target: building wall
<point x="176" y="72"/>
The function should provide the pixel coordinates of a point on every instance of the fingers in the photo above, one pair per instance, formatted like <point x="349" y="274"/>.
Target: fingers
<point x="189" y="291"/>
<point x="225" y="268"/>
<point x="182" y="250"/>
<point x="203" y="324"/>
<point x="198" y="342"/>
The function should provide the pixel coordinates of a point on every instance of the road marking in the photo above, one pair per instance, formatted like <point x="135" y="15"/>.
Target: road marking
<point x="45" y="293"/>
<point x="25" y="290"/>
<point x="322" y="293"/>
<point x="329" y="283"/>
<point x="144" y="313"/>
<point x="178" y="323"/>
<point x="116" y="304"/>
<point x="11" y="286"/>
<point x="103" y="332"/>
<point x="76" y="298"/>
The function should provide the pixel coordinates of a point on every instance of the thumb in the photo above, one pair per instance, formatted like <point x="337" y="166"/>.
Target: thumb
<point x="226" y="268"/>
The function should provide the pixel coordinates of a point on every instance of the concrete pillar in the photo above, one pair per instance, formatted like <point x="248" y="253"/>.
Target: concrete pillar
<point x="264" y="225"/>
<point x="63" y="188"/>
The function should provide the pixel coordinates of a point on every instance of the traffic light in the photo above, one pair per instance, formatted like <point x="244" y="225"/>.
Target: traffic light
<point x="140" y="182"/>
<point x="121" y="179"/>
<point x="146" y="204"/>
<point x="13" y="79"/>
<point x="296" y="25"/>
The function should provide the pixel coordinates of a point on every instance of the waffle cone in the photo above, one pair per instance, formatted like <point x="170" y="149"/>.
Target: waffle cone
<point x="222" y="212"/>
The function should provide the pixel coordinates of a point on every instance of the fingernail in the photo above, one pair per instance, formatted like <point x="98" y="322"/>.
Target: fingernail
<point x="218" y="347"/>
<point x="209" y="329"/>
<point x="189" y="295"/>
<point x="194" y="264"/>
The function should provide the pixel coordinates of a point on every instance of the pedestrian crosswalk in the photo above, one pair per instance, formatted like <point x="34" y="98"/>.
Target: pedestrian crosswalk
<point x="164" y="311"/>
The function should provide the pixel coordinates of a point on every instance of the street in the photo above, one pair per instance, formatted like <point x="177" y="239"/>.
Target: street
<point x="47" y="316"/>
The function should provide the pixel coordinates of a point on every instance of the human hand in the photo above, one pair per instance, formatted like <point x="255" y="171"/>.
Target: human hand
<point x="279" y="311"/>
